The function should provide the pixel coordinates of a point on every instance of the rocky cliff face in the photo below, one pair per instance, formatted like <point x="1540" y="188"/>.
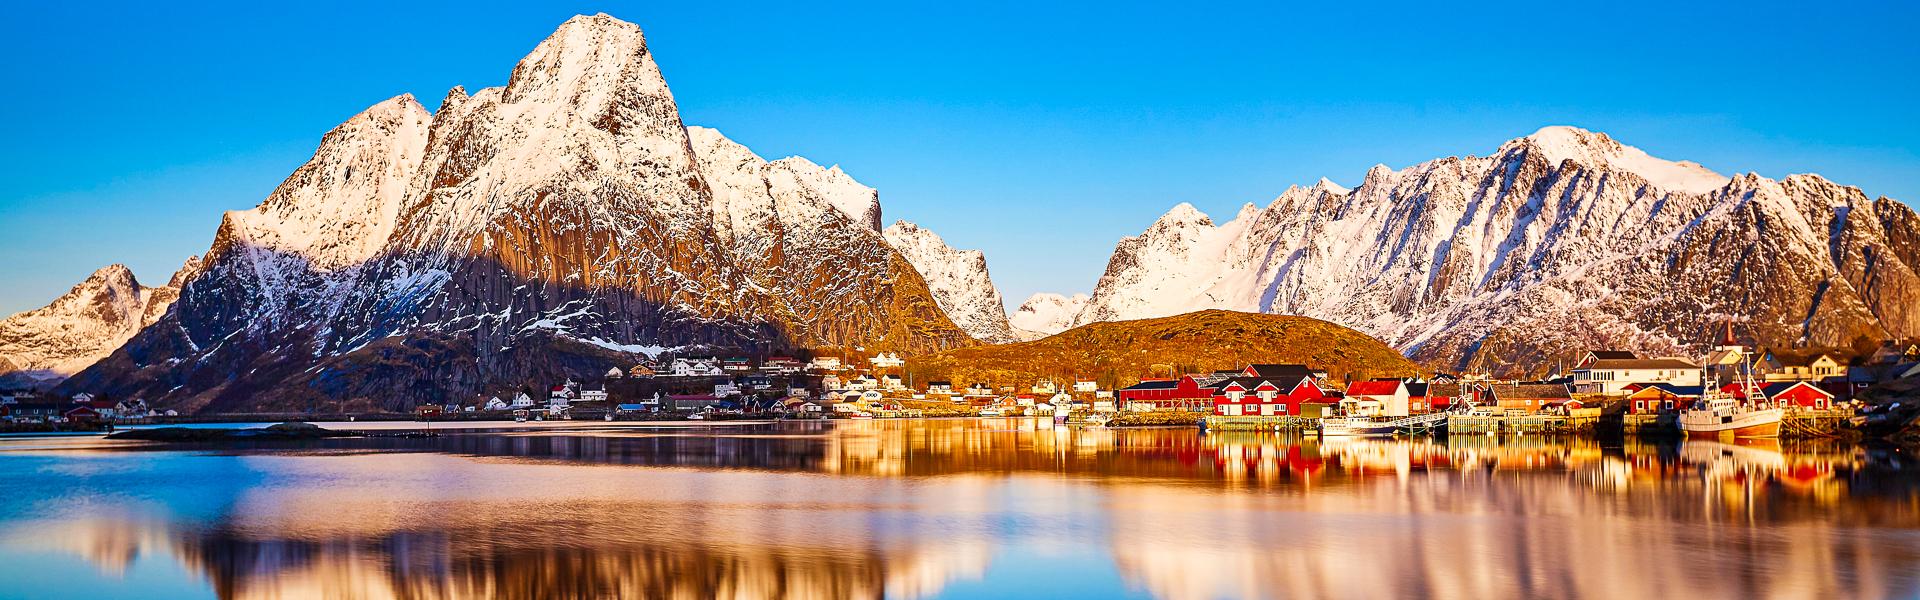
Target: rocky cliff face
<point x="959" y="281"/>
<point x="40" y="347"/>
<point x="520" y="234"/>
<point x="1557" y="242"/>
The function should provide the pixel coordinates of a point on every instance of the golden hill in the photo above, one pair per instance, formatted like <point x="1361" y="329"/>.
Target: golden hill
<point x="1121" y="353"/>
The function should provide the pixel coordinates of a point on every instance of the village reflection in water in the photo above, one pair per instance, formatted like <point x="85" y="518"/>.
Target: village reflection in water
<point x="981" y="508"/>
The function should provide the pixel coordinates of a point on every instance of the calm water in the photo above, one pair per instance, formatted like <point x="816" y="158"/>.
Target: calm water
<point x="952" y="508"/>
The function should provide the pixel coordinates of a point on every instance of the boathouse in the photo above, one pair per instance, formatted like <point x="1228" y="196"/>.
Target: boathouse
<point x="1185" y="393"/>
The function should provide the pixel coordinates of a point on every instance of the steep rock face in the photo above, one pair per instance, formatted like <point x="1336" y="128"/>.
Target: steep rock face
<point x="40" y="347"/>
<point x="521" y="235"/>
<point x="959" y="281"/>
<point x="1047" y="313"/>
<point x="1559" y="241"/>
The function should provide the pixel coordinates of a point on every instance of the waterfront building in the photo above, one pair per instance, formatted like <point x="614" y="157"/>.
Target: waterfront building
<point x="1609" y="372"/>
<point x="1266" y="396"/>
<point x="1185" y="393"/>
<point x="1379" y="397"/>
<point x="1798" y="395"/>
<point x="1662" y="397"/>
<point x="1527" y="397"/>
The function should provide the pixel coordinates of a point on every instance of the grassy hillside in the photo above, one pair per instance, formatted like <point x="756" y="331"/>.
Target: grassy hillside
<point x="1121" y="353"/>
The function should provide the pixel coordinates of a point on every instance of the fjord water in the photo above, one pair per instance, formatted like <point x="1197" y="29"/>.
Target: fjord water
<point x="988" y="508"/>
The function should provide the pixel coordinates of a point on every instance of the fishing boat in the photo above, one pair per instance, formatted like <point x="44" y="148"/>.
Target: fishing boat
<point x="1719" y="414"/>
<point x="1353" y="426"/>
<point x="1723" y="416"/>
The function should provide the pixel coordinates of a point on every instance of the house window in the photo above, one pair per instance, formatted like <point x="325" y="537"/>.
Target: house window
<point x="1639" y="405"/>
<point x="1283" y="409"/>
<point x="1819" y="403"/>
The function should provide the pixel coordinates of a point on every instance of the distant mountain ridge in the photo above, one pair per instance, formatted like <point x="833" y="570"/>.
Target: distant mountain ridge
<point x="1557" y="242"/>
<point x="41" y="347"/>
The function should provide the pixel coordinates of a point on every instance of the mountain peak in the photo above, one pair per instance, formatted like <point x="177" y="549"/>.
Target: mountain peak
<point x="584" y="59"/>
<point x="1560" y="143"/>
<point x="1327" y="185"/>
<point x="1184" y="213"/>
<point x="113" y="272"/>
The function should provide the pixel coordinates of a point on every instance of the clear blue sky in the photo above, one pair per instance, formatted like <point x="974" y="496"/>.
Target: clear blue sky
<point x="1041" y="135"/>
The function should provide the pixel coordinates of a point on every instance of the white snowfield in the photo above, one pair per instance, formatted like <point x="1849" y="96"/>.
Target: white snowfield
<point x="1045" y="314"/>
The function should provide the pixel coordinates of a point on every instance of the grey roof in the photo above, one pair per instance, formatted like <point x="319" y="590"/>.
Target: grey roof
<point x="1530" y="390"/>
<point x="1643" y="363"/>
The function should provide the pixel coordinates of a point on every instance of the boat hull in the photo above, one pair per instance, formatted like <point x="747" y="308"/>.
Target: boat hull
<point x="1753" y="424"/>
<point x="1349" y="429"/>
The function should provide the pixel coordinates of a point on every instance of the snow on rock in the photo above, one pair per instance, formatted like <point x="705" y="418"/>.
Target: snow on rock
<point x="548" y="224"/>
<point x="1561" y="143"/>
<point x="959" y="281"/>
<point x="1560" y="241"/>
<point x="1047" y="313"/>
<point x="47" y="344"/>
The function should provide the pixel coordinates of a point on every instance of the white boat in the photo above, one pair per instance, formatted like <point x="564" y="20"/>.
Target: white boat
<point x="1353" y="426"/>
<point x="1721" y="416"/>
<point x="992" y="412"/>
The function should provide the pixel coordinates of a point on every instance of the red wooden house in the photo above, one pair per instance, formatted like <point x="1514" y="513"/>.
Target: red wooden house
<point x="1185" y="393"/>
<point x="1798" y="394"/>
<point x="1265" y="396"/>
<point x="1661" y="397"/>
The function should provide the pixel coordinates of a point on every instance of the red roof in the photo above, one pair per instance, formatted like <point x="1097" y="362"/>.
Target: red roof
<point x="1373" y="388"/>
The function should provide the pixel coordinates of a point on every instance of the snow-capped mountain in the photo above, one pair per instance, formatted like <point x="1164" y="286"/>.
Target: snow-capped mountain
<point x="1047" y="313"/>
<point x="959" y="281"/>
<point x="1559" y="241"/>
<point x="519" y="235"/>
<point x="44" y="345"/>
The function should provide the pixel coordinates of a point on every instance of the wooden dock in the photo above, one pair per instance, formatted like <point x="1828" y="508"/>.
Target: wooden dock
<point x="1517" y="424"/>
<point x="1259" y="423"/>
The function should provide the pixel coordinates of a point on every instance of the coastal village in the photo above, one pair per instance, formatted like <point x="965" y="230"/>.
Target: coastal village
<point x="1817" y="388"/>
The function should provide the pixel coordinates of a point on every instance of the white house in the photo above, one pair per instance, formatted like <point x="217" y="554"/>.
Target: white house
<point x="522" y="401"/>
<point x="495" y="403"/>
<point x="1609" y="373"/>
<point x="599" y="395"/>
<point x="825" y="363"/>
<point x="1380" y="397"/>
<point x="1086" y="386"/>
<point x="615" y="373"/>
<point x="561" y="396"/>
<point x="1045" y="387"/>
<point x="891" y="382"/>
<point x="940" y="387"/>
<point x="695" y="367"/>
<point x="886" y="360"/>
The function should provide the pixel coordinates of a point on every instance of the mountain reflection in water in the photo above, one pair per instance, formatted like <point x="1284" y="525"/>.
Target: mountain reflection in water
<point x="973" y="508"/>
